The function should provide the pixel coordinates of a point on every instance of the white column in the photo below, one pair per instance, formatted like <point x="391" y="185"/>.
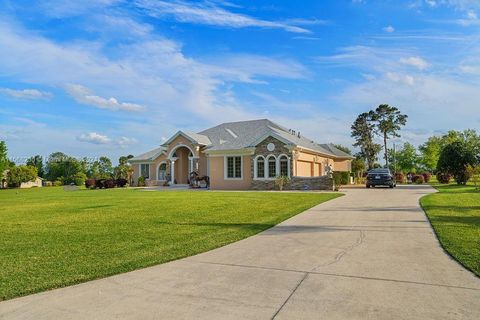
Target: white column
<point x="190" y="165"/>
<point x="172" y="171"/>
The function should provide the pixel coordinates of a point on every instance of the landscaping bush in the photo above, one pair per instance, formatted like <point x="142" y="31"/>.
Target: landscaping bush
<point x="399" y="177"/>
<point x="444" y="177"/>
<point x="79" y="178"/>
<point x="109" y="183"/>
<point x="100" y="183"/>
<point x="418" y="179"/>
<point x="141" y="181"/>
<point x="58" y="183"/>
<point x="344" y="177"/>
<point x="427" y="176"/>
<point x="462" y="177"/>
<point x="121" y="182"/>
<point x="281" y="181"/>
<point x="340" y="178"/>
<point x="90" y="183"/>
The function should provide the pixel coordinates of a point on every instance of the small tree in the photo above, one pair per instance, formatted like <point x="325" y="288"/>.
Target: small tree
<point x="20" y="174"/>
<point x="358" y="168"/>
<point x="474" y="173"/>
<point x="454" y="159"/>
<point x="281" y="181"/>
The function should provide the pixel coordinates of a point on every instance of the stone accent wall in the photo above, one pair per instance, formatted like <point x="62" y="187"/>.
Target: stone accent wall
<point x="296" y="183"/>
<point x="261" y="149"/>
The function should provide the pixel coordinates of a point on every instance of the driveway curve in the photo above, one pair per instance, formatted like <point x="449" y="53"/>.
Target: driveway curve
<point x="368" y="255"/>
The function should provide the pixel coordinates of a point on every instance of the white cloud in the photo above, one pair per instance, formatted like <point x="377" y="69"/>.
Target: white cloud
<point x="211" y="14"/>
<point x="389" y="29"/>
<point x="83" y="95"/>
<point x="416" y="62"/>
<point x="30" y="94"/>
<point x="470" y="69"/>
<point x="125" y="142"/>
<point x="95" y="138"/>
<point x="402" y="78"/>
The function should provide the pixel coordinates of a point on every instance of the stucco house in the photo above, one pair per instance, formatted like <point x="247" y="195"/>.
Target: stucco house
<point x="242" y="155"/>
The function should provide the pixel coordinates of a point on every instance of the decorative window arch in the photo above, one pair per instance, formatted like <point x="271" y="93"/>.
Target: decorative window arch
<point x="284" y="165"/>
<point x="162" y="171"/>
<point x="271" y="167"/>
<point x="259" y="167"/>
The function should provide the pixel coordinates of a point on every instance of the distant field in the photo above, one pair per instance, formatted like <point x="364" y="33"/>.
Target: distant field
<point x="52" y="238"/>
<point x="455" y="215"/>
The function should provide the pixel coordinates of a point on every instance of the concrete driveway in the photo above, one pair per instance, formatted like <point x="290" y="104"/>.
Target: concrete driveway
<point x="368" y="255"/>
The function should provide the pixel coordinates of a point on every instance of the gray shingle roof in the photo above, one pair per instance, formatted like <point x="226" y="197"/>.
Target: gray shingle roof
<point x="244" y="134"/>
<point x="148" y="156"/>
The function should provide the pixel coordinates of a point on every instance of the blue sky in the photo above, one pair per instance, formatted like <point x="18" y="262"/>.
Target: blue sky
<point x="112" y="77"/>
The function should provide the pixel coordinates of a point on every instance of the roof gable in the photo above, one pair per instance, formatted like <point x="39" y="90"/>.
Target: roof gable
<point x="192" y="137"/>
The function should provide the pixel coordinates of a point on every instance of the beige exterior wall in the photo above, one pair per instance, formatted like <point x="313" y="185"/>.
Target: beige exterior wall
<point x="30" y="184"/>
<point x="181" y="140"/>
<point x="345" y="165"/>
<point x="310" y="165"/>
<point x="217" y="175"/>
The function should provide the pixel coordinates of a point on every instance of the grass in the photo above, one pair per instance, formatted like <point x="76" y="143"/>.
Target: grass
<point x="51" y="238"/>
<point x="454" y="213"/>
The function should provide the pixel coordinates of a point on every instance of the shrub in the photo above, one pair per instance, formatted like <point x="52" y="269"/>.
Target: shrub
<point x="58" y="183"/>
<point x="340" y="178"/>
<point x="109" y="183"/>
<point x="141" y="181"/>
<point x="100" y="183"/>
<point x="399" y="177"/>
<point x="474" y="171"/>
<point x="281" y="181"/>
<point x="427" y="176"/>
<point x="418" y="179"/>
<point x="444" y="177"/>
<point x="462" y="177"/>
<point x="344" y="177"/>
<point x="90" y="183"/>
<point x="121" y="182"/>
<point x="79" y="178"/>
<point x="454" y="159"/>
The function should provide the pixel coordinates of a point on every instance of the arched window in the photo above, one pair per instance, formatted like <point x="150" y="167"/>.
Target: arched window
<point x="283" y="166"/>
<point x="272" y="167"/>
<point x="162" y="171"/>
<point x="260" y="167"/>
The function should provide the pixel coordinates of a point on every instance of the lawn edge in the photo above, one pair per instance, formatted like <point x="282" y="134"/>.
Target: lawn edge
<point x="438" y="239"/>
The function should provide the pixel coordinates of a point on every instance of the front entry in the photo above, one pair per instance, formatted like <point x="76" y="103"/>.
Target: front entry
<point x="182" y="164"/>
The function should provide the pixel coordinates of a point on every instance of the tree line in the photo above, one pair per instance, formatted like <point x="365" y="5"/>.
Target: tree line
<point x="455" y="154"/>
<point x="62" y="169"/>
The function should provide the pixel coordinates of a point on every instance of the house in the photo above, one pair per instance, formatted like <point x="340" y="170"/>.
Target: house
<point x="38" y="182"/>
<point x="242" y="155"/>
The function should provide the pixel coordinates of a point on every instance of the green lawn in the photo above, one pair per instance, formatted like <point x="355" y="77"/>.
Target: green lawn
<point x="455" y="215"/>
<point x="52" y="238"/>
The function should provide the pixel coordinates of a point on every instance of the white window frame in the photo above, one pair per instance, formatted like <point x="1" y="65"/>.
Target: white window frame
<point x="267" y="167"/>
<point x="140" y="170"/>
<point x="158" y="168"/>
<point x="288" y="164"/>
<point x="255" y="168"/>
<point x="225" y="167"/>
